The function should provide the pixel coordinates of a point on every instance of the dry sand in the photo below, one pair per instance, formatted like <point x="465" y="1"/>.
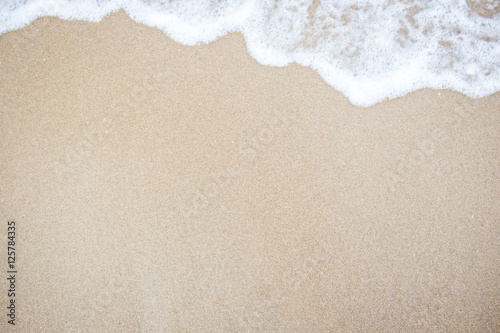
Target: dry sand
<point x="159" y="187"/>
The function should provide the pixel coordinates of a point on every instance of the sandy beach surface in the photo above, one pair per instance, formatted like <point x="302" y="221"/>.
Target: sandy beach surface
<point x="157" y="187"/>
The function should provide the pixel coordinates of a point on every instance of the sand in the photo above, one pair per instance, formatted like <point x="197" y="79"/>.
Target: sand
<point x="161" y="187"/>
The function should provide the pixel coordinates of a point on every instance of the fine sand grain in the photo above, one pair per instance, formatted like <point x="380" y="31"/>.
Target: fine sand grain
<point x="159" y="187"/>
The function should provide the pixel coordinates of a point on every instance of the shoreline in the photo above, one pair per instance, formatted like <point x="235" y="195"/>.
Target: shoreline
<point x="157" y="186"/>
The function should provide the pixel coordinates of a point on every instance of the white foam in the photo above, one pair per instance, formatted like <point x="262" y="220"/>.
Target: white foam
<point x="369" y="50"/>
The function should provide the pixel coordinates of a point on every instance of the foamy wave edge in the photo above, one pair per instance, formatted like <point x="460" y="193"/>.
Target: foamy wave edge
<point x="391" y="73"/>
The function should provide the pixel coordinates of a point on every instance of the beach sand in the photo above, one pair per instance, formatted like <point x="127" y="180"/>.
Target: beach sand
<point x="161" y="187"/>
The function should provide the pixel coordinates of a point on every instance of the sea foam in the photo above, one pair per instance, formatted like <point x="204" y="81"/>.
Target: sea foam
<point x="370" y="50"/>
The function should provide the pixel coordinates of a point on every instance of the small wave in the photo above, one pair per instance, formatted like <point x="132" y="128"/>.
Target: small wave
<point x="370" y="50"/>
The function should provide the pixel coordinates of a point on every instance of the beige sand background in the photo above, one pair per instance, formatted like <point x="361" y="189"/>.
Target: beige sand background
<point x="163" y="188"/>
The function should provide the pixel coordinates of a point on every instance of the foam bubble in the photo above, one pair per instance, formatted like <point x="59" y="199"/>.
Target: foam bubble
<point x="369" y="50"/>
